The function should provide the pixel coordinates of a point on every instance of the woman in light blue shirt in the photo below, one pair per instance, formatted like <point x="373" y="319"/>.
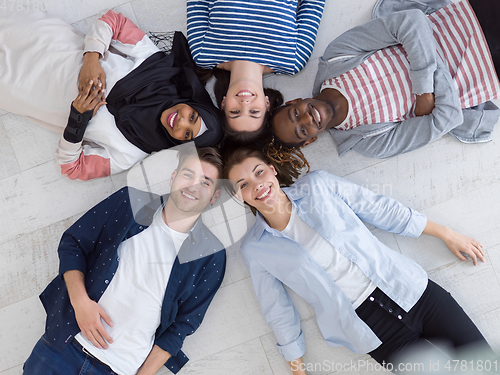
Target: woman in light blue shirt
<point x="310" y="237"/>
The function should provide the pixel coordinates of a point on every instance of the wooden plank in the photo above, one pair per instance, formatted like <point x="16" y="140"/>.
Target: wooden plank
<point x="319" y="359"/>
<point x="26" y="321"/>
<point x="433" y="174"/>
<point x="154" y="16"/>
<point x="32" y="144"/>
<point x="8" y="160"/>
<point x="246" y="359"/>
<point x="28" y="263"/>
<point x="126" y="9"/>
<point x="472" y="214"/>
<point x="39" y="197"/>
<point x="17" y="370"/>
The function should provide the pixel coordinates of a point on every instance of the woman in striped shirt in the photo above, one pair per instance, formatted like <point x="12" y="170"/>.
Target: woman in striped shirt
<point x="248" y="39"/>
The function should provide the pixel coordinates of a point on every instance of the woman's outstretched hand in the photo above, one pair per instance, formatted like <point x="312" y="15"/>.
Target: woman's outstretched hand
<point x="91" y="71"/>
<point x="456" y="242"/>
<point x="460" y="244"/>
<point x="89" y="98"/>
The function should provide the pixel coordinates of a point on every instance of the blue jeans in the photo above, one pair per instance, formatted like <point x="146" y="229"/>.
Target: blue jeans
<point x="45" y="360"/>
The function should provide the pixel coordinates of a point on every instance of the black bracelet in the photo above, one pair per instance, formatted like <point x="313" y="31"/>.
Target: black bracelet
<point x="77" y="123"/>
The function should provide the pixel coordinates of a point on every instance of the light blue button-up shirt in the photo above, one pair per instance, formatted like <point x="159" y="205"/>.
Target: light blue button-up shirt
<point x="335" y="209"/>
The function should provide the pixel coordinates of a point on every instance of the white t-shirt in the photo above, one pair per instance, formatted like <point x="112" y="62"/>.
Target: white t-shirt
<point x="134" y="297"/>
<point x="346" y="274"/>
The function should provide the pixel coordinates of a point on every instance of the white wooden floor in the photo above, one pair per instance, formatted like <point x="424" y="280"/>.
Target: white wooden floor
<point x="454" y="184"/>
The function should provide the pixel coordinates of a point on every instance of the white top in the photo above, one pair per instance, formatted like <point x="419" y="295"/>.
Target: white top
<point x="346" y="274"/>
<point x="134" y="297"/>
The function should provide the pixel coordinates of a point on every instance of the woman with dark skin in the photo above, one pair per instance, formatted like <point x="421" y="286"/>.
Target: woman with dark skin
<point x="131" y="98"/>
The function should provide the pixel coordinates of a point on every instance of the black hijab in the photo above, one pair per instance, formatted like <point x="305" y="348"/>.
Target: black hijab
<point x="160" y="82"/>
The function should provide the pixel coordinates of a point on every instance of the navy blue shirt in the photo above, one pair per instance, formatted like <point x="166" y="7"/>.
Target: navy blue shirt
<point x="90" y="245"/>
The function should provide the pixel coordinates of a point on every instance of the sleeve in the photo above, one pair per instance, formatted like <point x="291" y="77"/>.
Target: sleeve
<point x="79" y="240"/>
<point x="379" y="210"/>
<point x="82" y="161"/>
<point x="114" y="29"/>
<point x="309" y="13"/>
<point x="197" y="24"/>
<point x="384" y="140"/>
<point x="191" y="311"/>
<point x="409" y="28"/>
<point x="278" y="309"/>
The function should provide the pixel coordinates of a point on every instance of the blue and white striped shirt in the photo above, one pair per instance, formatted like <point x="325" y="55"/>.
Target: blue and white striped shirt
<point x="279" y="34"/>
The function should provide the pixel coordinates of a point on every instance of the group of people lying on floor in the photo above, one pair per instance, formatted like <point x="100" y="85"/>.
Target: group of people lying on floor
<point x="417" y="71"/>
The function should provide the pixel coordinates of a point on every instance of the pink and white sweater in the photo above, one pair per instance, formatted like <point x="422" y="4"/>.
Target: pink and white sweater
<point x="43" y="56"/>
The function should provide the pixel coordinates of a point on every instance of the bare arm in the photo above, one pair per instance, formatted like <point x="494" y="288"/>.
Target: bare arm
<point x="87" y="312"/>
<point x="156" y="358"/>
<point x="456" y="242"/>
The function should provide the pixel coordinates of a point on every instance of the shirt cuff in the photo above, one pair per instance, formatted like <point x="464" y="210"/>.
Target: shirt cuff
<point x="422" y="82"/>
<point x="294" y="349"/>
<point x="94" y="45"/>
<point x="416" y="225"/>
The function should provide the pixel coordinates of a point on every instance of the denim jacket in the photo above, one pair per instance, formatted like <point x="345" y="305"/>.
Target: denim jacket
<point x="335" y="209"/>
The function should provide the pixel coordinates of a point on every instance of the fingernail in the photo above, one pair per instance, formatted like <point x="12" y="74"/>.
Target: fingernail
<point x="91" y="81"/>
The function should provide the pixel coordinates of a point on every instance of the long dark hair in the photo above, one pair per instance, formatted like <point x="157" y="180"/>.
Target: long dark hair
<point x="221" y="85"/>
<point x="287" y="162"/>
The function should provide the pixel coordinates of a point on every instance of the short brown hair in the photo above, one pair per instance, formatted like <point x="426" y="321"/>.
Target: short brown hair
<point x="209" y="155"/>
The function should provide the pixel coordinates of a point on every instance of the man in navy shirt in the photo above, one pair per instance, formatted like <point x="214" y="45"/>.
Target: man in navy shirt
<point x="136" y="276"/>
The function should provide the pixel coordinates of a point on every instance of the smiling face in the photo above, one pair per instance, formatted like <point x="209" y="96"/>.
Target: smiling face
<point x="302" y="121"/>
<point x="193" y="185"/>
<point x="245" y="105"/>
<point x="181" y="121"/>
<point x="255" y="183"/>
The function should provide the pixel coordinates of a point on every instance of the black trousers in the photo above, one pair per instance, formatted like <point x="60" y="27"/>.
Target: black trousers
<point x="436" y="317"/>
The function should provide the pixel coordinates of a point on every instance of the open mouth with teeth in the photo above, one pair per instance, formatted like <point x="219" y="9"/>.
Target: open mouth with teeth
<point x="245" y="94"/>
<point x="317" y="116"/>
<point x="264" y="194"/>
<point x="171" y="119"/>
<point x="188" y="196"/>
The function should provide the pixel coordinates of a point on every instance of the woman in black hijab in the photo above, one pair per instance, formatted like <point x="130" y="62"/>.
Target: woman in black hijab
<point x="155" y="99"/>
<point x="149" y="102"/>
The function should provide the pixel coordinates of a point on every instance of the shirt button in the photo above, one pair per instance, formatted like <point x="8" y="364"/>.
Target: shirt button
<point x="372" y="299"/>
<point x="400" y="317"/>
<point x="106" y="281"/>
<point x="390" y="310"/>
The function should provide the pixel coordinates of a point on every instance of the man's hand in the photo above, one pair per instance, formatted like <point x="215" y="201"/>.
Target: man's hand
<point x="91" y="71"/>
<point x="88" y="316"/>
<point x="424" y="104"/>
<point x="87" y="312"/>
<point x="89" y="99"/>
